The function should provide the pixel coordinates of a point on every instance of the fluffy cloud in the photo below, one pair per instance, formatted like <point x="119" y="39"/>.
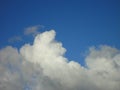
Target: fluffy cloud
<point x="42" y="66"/>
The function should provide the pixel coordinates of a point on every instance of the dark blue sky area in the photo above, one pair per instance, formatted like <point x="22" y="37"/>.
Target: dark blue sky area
<point x="79" y="23"/>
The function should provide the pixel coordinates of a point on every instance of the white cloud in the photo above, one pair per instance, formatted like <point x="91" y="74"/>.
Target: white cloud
<point x="42" y="66"/>
<point x="32" y="30"/>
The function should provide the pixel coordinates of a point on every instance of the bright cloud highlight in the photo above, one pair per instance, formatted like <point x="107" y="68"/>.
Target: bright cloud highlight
<point x="42" y="66"/>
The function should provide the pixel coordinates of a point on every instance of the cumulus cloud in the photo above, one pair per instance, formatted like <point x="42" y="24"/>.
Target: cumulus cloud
<point x="42" y="66"/>
<point x="32" y="30"/>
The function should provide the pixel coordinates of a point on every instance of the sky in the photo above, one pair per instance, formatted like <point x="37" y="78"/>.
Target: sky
<point x="82" y="36"/>
<point x="78" y="23"/>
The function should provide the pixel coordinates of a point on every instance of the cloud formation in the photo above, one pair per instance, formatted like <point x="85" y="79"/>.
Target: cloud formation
<point x="42" y="66"/>
<point x="15" y="39"/>
<point x="32" y="30"/>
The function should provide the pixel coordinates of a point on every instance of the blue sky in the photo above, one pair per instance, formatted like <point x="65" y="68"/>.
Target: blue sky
<point x="79" y="24"/>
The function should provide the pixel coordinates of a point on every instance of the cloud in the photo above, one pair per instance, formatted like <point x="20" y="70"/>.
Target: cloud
<point x="32" y="30"/>
<point x="42" y="66"/>
<point x="15" y="39"/>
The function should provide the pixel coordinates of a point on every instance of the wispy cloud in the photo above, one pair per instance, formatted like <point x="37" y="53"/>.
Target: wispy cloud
<point x="15" y="39"/>
<point x="42" y="66"/>
<point x="32" y="30"/>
